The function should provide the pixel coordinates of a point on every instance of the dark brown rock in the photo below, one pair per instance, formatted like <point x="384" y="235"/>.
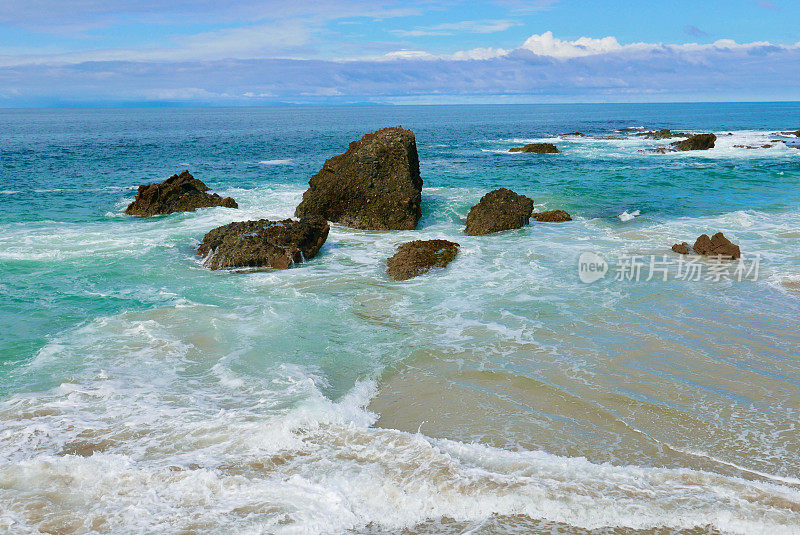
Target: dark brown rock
<point x="697" y="142"/>
<point x="717" y="245"/>
<point x="537" y="148"/>
<point x="681" y="248"/>
<point x="419" y="256"/>
<point x="375" y="185"/>
<point x="551" y="216"/>
<point x="573" y="134"/>
<point x="661" y="134"/>
<point x="501" y="209"/>
<point x="178" y="193"/>
<point x="795" y="133"/>
<point x="263" y="243"/>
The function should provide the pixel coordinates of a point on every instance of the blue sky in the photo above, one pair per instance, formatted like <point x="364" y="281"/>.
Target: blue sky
<point x="90" y="52"/>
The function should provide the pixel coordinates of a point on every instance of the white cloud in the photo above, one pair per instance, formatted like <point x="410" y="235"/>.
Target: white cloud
<point x="548" y="45"/>
<point x="407" y="54"/>
<point x="451" y="28"/>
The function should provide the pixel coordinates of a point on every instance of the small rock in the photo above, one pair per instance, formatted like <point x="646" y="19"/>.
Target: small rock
<point x="537" y="148"/>
<point x="419" y="256"/>
<point x="178" y="193"/>
<point x="573" y="134"/>
<point x="697" y="142"/>
<point x="501" y="209"/>
<point x="263" y="243"/>
<point x="375" y="185"/>
<point x="551" y="216"/>
<point x="795" y="133"/>
<point x="681" y="248"/>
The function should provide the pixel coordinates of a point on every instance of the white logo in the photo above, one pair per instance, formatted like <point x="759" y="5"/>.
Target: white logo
<point x="591" y="267"/>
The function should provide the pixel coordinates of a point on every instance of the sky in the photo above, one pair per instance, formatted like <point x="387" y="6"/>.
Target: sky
<point x="255" y="52"/>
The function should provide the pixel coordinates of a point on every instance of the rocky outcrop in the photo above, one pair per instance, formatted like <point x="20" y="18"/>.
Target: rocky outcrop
<point x="498" y="210"/>
<point x="573" y="134"/>
<point x="375" y="185"/>
<point x="795" y="133"/>
<point x="178" y="193"/>
<point x="717" y="245"/>
<point x="661" y="134"/>
<point x="696" y="142"/>
<point x="551" y="216"/>
<point x="263" y="243"/>
<point x="419" y="256"/>
<point x="537" y="148"/>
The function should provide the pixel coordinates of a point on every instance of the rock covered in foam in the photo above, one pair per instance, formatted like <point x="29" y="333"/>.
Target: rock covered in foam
<point x="501" y="209"/>
<point x="537" y="148"/>
<point x="417" y="257"/>
<point x="178" y="193"/>
<point x="375" y="185"/>
<point x="263" y="243"/>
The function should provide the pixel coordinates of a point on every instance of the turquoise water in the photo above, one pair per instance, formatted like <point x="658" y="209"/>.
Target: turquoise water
<point x="141" y="392"/>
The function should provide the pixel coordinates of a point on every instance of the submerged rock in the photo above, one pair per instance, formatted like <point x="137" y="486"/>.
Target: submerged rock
<point x="178" y="193"/>
<point x="696" y="142"/>
<point x="263" y="243"/>
<point x="717" y="245"/>
<point x="537" y="148"/>
<point x="795" y="133"/>
<point x="573" y="134"/>
<point x="375" y="185"/>
<point x="551" y="216"/>
<point x="419" y="256"/>
<point x="501" y="209"/>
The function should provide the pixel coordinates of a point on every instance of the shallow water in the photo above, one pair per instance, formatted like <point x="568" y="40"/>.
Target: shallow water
<point x="143" y="393"/>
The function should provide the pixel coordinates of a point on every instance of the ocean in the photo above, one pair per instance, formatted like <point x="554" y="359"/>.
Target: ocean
<point x="143" y="393"/>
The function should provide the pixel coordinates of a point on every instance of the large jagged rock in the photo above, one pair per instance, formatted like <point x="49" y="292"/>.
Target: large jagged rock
<point x="263" y="243"/>
<point x="537" y="148"/>
<point x="419" y="256"/>
<point x="696" y="142"/>
<point x="501" y="209"/>
<point x="375" y="185"/>
<point x="551" y="216"/>
<point x="717" y="245"/>
<point x="178" y="193"/>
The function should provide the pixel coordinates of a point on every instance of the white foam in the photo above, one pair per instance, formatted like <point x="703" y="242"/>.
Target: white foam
<point x="287" y="161"/>
<point x="8" y="192"/>
<point x="625" y="216"/>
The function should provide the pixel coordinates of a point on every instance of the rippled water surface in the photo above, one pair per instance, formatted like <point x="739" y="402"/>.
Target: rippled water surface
<point x="142" y="393"/>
